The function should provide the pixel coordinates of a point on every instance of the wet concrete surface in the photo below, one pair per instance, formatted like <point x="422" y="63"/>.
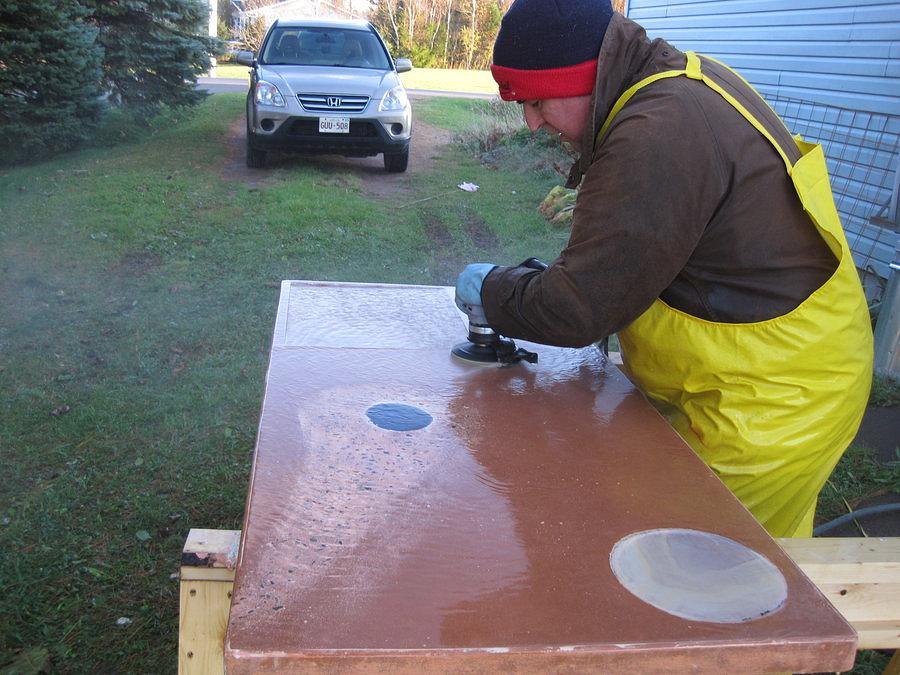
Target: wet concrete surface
<point x="482" y="540"/>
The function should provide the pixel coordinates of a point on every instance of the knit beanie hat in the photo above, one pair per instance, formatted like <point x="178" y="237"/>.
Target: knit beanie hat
<point x="548" y="48"/>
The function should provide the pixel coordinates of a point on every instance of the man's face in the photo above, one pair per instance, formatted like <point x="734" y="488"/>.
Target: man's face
<point x="567" y="117"/>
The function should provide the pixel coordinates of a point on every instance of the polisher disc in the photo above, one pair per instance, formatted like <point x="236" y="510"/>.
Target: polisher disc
<point x="469" y="351"/>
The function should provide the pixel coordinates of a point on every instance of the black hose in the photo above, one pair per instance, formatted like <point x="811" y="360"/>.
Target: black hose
<point x="861" y="513"/>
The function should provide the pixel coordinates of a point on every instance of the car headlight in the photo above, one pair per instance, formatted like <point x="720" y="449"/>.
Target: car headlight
<point x="268" y="94"/>
<point x="394" y="99"/>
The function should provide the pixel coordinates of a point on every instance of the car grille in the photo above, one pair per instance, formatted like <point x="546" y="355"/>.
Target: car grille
<point x="326" y="103"/>
<point x="310" y="128"/>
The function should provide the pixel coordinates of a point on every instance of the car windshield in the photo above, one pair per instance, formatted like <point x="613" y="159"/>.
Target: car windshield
<point x="342" y="47"/>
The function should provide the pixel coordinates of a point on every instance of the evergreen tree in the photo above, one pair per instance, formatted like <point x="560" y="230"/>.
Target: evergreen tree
<point x="49" y="77"/>
<point x="154" y="50"/>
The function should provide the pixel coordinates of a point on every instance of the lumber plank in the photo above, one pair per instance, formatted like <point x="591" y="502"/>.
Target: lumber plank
<point x="878" y="634"/>
<point x="846" y="559"/>
<point x="211" y="548"/>
<point x="864" y="602"/>
<point x="203" y="617"/>
<point x="861" y="578"/>
<point x="207" y="574"/>
<point x="208" y="561"/>
<point x="844" y="549"/>
<point x="893" y="668"/>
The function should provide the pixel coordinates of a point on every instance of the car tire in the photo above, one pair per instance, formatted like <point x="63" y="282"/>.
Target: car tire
<point x="256" y="159"/>
<point x="396" y="163"/>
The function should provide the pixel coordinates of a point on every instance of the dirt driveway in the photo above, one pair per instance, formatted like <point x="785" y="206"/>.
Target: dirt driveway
<point x="426" y="143"/>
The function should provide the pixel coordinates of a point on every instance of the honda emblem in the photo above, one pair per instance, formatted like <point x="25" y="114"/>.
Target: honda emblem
<point x="333" y="102"/>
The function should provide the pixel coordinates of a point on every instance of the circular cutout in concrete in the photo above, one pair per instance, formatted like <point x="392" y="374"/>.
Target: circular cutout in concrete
<point x="698" y="576"/>
<point x="398" y="417"/>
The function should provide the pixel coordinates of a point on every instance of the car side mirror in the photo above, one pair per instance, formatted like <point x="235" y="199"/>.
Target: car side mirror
<point x="245" y="58"/>
<point x="403" y="65"/>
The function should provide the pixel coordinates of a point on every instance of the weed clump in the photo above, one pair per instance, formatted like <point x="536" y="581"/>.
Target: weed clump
<point x="885" y="391"/>
<point x="494" y="123"/>
<point x="499" y="138"/>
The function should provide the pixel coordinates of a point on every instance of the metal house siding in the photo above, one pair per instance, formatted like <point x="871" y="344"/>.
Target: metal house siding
<point x="829" y="53"/>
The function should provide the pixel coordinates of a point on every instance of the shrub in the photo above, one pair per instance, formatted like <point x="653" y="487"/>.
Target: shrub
<point x="495" y="124"/>
<point x="498" y="135"/>
<point x="252" y="34"/>
<point x="885" y="391"/>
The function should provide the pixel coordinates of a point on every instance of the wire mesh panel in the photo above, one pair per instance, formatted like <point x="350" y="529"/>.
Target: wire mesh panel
<point x="862" y="153"/>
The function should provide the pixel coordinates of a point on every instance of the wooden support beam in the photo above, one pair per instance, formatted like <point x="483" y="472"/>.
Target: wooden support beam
<point x="211" y="549"/>
<point x="860" y="576"/>
<point x="893" y="667"/>
<point x="201" y="632"/>
<point x="207" y="576"/>
<point x="836" y="560"/>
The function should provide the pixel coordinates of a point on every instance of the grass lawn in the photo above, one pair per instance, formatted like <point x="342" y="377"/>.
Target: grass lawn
<point x="437" y="79"/>
<point x="138" y="294"/>
<point x="233" y="70"/>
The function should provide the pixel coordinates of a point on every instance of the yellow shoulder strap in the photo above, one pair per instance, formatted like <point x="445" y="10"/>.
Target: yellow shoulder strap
<point x="693" y="71"/>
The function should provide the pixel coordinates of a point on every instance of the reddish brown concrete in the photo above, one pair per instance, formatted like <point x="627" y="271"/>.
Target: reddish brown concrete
<point x="481" y="542"/>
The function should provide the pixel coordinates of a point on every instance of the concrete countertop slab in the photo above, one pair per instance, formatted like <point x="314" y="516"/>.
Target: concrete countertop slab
<point x="482" y="541"/>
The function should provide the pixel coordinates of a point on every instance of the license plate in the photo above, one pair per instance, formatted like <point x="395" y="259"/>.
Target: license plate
<point x="334" y="125"/>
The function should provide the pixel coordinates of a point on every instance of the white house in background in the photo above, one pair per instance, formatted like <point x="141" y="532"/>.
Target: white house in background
<point x="831" y="68"/>
<point x="301" y="9"/>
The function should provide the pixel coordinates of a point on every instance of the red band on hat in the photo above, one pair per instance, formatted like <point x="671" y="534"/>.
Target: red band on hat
<point x="529" y="85"/>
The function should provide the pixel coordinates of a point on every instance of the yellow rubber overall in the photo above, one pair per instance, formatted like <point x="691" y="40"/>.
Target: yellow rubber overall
<point x="769" y="406"/>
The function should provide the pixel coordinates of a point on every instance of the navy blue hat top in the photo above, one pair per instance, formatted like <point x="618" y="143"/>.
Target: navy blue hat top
<point x="545" y="34"/>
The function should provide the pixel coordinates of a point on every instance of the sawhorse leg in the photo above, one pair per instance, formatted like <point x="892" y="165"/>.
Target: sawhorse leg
<point x="207" y="576"/>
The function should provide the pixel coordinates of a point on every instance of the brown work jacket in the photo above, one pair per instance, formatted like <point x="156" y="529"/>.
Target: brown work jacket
<point x="681" y="200"/>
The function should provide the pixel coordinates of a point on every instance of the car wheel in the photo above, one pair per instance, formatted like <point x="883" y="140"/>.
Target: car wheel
<point x="396" y="163"/>
<point x="256" y="159"/>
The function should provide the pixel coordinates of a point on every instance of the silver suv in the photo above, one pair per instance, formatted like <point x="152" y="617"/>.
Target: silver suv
<point x="327" y="87"/>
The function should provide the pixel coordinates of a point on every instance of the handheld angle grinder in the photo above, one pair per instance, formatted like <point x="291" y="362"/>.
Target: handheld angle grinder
<point x="484" y="344"/>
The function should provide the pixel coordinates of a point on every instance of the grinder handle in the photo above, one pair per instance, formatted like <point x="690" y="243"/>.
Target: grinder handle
<point x="534" y="264"/>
